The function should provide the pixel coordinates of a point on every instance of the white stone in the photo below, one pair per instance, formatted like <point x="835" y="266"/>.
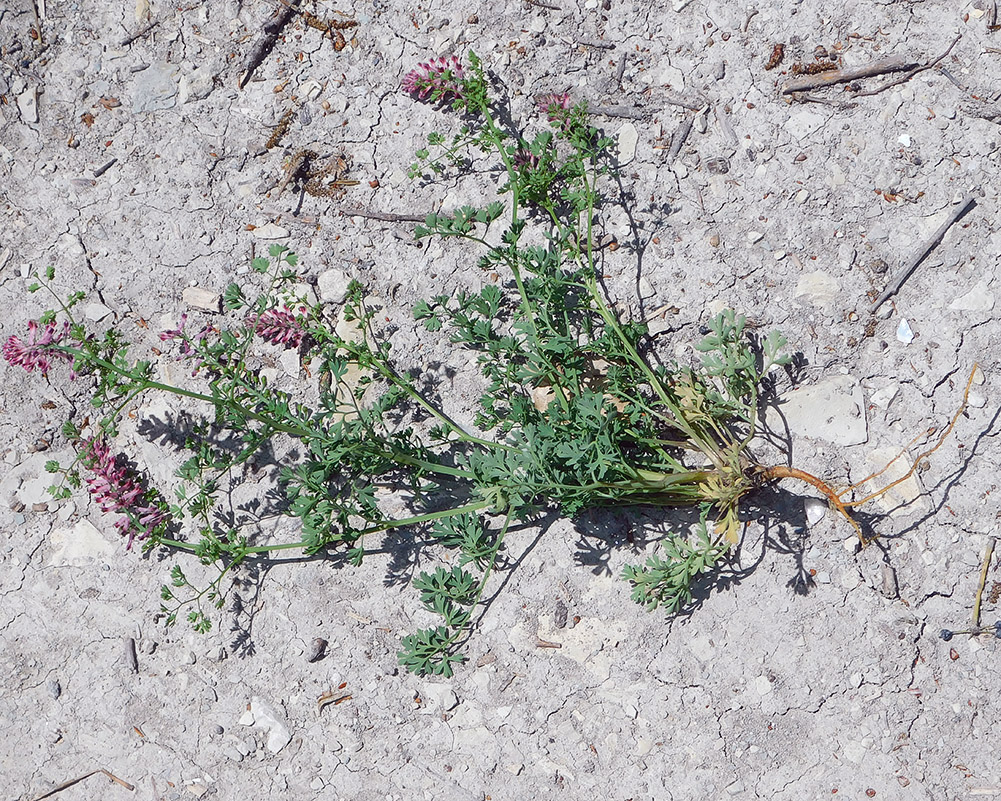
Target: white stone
<point x="197" y="297"/>
<point x="906" y="498"/>
<point x="804" y="122"/>
<point x="310" y="89"/>
<point x="818" y="287"/>
<point x="815" y="510"/>
<point x="905" y="140"/>
<point x="266" y="718"/>
<point x="96" y="312"/>
<point x="762" y="685"/>
<point x="270" y="231"/>
<point x="627" y="139"/>
<point x="81" y="545"/>
<point x="27" y="104"/>
<point x="980" y="298"/>
<point x="883" y="397"/>
<point x="832" y="410"/>
<point x="438" y="698"/>
<point x="333" y="286"/>
<point x="904" y="332"/>
<point x="754" y="236"/>
<point x="155" y="88"/>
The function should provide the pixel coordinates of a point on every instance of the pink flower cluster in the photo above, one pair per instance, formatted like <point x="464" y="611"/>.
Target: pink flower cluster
<point x="525" y="160"/>
<point x="556" y="107"/>
<point x="278" y="326"/>
<point x="178" y="333"/>
<point x="115" y="489"/>
<point x="440" y="78"/>
<point x="39" y="351"/>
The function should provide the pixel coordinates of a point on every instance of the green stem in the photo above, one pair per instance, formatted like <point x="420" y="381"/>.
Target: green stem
<point x="387" y="526"/>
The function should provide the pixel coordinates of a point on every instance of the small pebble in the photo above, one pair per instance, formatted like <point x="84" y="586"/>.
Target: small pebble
<point x="131" y="660"/>
<point x="54" y="687"/>
<point x="317" y="649"/>
<point x="560" y="615"/>
<point x="904" y="333"/>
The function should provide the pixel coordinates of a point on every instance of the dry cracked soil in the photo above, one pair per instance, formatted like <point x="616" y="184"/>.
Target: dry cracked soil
<point x="132" y="161"/>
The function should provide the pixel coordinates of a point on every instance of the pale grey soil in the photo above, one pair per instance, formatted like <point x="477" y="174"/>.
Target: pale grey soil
<point x="788" y="211"/>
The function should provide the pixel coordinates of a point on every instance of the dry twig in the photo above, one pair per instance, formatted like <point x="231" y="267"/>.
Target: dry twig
<point x="912" y="73"/>
<point x="266" y="39"/>
<point x="988" y="555"/>
<point x="898" y="279"/>
<point x="625" y="112"/>
<point x="79" y="779"/>
<point x="883" y="65"/>
<point x="384" y="216"/>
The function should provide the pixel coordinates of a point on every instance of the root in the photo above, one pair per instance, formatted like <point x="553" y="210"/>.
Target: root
<point x="780" y="471"/>
<point x="834" y="498"/>
<point x="926" y="454"/>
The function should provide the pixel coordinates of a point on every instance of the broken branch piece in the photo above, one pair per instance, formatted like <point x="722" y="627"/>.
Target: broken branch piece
<point x="898" y="280"/>
<point x="880" y="67"/>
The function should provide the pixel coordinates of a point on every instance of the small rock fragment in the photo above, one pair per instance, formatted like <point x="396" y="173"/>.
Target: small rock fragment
<point x="155" y="89"/>
<point x="439" y="698"/>
<point x="198" y="298"/>
<point x="627" y="140"/>
<point x="904" y="333"/>
<point x="815" y="510"/>
<point x="131" y="660"/>
<point x="55" y="689"/>
<point x="317" y="649"/>
<point x="560" y="615"/>
<point x="333" y="286"/>
<point x="266" y="718"/>
<point x="888" y="582"/>
<point x="270" y="231"/>
<point x="81" y="545"/>
<point x="96" y="312"/>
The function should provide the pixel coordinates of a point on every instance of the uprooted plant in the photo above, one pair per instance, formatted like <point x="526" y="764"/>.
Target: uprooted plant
<point x="575" y="413"/>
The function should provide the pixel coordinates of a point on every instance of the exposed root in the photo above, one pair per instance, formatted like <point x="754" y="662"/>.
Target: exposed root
<point x="927" y="453"/>
<point x="780" y="471"/>
<point x="834" y="498"/>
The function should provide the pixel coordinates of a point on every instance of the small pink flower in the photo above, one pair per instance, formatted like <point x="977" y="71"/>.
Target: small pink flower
<point x="178" y="333"/>
<point x="439" y="78"/>
<point x="556" y="107"/>
<point x="38" y="352"/>
<point x="278" y="326"/>
<point x="525" y="160"/>
<point x="115" y="489"/>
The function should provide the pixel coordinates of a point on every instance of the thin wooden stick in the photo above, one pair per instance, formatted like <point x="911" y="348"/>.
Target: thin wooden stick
<point x="625" y="112"/>
<point x="680" y="135"/>
<point x="384" y="216"/>
<point x="79" y="779"/>
<point x="898" y="280"/>
<point x="884" y="65"/>
<point x="912" y="73"/>
<point x="677" y="100"/>
<point x="141" y="32"/>
<point x="988" y="555"/>
<point x="266" y="39"/>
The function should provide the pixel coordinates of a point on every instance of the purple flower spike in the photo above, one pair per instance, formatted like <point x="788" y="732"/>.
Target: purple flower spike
<point x="38" y="352"/>
<point x="115" y="489"/>
<point x="440" y="78"/>
<point x="278" y="326"/>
